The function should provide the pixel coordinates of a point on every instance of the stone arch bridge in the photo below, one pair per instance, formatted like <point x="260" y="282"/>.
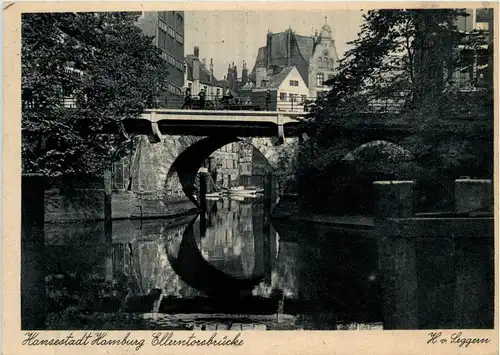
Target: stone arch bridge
<point x="175" y="143"/>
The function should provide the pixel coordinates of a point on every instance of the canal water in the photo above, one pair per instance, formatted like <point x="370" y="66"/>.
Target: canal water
<point x="234" y="268"/>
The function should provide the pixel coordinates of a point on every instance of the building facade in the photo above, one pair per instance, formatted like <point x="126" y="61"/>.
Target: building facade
<point x="315" y="57"/>
<point x="167" y="29"/>
<point x="288" y="90"/>
<point x="199" y="76"/>
<point x="223" y="165"/>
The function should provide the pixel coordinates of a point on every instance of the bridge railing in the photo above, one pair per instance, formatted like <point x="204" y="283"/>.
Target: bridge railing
<point x="464" y="105"/>
<point x="296" y="104"/>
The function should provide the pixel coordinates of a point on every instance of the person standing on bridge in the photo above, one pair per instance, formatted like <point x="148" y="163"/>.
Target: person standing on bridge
<point x="187" y="99"/>
<point x="202" y="99"/>
<point x="268" y="99"/>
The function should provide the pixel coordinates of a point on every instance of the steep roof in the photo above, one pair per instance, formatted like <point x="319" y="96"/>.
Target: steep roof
<point x="277" y="79"/>
<point x="302" y="48"/>
<point x="305" y="46"/>
<point x="261" y="58"/>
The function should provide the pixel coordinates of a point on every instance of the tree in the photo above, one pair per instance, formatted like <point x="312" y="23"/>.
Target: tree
<point x="99" y="64"/>
<point x="407" y="58"/>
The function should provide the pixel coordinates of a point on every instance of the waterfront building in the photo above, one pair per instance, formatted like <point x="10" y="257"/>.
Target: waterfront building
<point x="223" y="165"/>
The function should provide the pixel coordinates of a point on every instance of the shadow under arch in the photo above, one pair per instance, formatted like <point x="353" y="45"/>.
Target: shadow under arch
<point x="197" y="272"/>
<point x="188" y="163"/>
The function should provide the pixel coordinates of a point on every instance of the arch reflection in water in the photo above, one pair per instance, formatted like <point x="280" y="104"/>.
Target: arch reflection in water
<point x="227" y="251"/>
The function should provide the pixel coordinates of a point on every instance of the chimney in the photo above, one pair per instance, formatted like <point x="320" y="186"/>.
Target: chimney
<point x="244" y="74"/>
<point x="196" y="52"/>
<point x="196" y="73"/>
<point x="235" y="71"/>
<point x="212" y="66"/>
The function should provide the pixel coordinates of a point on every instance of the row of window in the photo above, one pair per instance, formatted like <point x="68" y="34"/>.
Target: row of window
<point x="325" y="63"/>
<point x="292" y="97"/>
<point x="320" y="78"/>
<point x="179" y="20"/>
<point x="172" y="60"/>
<point x="294" y="83"/>
<point x="174" y="90"/>
<point x="229" y="164"/>
<point x="171" y="32"/>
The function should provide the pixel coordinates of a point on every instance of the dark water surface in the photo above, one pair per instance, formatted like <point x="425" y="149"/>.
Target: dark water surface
<point x="232" y="269"/>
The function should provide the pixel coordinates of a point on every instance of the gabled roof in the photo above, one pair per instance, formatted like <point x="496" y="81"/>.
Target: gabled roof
<point x="277" y="79"/>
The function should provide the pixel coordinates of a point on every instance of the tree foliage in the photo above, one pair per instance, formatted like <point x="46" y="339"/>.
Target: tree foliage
<point x="407" y="59"/>
<point x="102" y="65"/>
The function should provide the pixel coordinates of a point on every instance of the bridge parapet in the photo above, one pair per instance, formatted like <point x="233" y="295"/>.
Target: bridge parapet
<point x="156" y="122"/>
<point x="276" y="117"/>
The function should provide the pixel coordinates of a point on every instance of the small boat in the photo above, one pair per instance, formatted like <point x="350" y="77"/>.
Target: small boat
<point x="241" y="190"/>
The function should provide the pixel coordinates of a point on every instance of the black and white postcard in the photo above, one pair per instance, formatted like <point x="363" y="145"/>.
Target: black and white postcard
<point x="235" y="177"/>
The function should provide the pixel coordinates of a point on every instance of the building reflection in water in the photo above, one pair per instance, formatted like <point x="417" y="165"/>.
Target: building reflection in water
<point x="229" y="241"/>
<point x="327" y="277"/>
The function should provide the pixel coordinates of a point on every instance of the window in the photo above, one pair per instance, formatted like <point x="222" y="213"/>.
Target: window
<point x="320" y="63"/>
<point x="218" y="92"/>
<point x="319" y="79"/>
<point x="163" y="26"/>
<point x="283" y="96"/>
<point x="331" y="64"/>
<point x="179" y="38"/>
<point x="171" y="32"/>
<point x="294" y="83"/>
<point x="179" y="65"/>
<point x="304" y="98"/>
<point x="190" y="85"/>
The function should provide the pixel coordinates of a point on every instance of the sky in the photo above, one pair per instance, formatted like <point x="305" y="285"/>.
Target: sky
<point x="234" y="36"/>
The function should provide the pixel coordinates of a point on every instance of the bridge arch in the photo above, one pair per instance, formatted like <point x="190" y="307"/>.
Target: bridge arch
<point x="187" y="164"/>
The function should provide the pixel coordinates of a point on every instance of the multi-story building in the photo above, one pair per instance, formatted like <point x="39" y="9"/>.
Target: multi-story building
<point x="315" y="57"/>
<point x="167" y="30"/>
<point x="198" y="76"/>
<point x="245" y="163"/>
<point x="223" y="165"/>
<point x="286" y="87"/>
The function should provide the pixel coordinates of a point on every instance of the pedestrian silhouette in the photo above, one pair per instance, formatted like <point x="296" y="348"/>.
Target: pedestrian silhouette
<point x="202" y="98"/>
<point x="268" y="99"/>
<point x="187" y="99"/>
